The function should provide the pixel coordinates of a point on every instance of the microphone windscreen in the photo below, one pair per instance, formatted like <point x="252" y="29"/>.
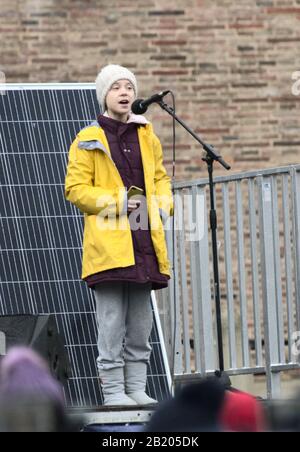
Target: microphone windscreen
<point x="138" y="108"/>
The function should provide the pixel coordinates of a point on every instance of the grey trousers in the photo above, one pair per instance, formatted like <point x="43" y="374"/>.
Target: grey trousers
<point x="124" y="317"/>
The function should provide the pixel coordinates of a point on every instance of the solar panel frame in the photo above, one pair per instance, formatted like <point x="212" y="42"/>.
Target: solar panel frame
<point x="41" y="240"/>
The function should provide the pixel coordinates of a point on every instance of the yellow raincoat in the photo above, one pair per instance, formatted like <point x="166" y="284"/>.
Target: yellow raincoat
<point x="94" y="185"/>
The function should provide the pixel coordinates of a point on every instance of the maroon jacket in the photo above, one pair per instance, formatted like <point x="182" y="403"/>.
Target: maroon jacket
<point x="125" y="151"/>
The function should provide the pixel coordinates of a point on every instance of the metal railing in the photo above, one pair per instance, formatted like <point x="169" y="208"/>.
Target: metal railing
<point x="259" y="263"/>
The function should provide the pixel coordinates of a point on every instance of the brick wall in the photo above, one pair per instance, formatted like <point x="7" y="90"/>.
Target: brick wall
<point x="230" y="63"/>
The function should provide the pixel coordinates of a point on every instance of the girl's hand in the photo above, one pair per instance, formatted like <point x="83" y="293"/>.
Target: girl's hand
<point x="133" y="205"/>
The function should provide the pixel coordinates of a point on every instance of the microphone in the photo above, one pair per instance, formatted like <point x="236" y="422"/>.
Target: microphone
<point x="140" y="106"/>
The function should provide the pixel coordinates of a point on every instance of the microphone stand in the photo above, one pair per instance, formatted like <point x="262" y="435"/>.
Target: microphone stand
<point x="211" y="157"/>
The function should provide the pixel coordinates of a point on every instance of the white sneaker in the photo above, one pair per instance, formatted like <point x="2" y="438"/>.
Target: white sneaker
<point x="118" y="400"/>
<point x="135" y="382"/>
<point x="141" y="398"/>
<point x="113" y="389"/>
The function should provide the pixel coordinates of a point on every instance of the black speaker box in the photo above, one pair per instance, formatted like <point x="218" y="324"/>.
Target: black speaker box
<point x="40" y="333"/>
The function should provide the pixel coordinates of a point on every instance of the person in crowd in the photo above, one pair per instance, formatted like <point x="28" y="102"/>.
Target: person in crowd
<point x="196" y="408"/>
<point x="241" y="412"/>
<point x="30" y="398"/>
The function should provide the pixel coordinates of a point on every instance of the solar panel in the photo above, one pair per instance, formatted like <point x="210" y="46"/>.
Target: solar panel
<point x="41" y="240"/>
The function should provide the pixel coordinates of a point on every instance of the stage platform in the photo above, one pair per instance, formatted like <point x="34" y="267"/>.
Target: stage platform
<point x="112" y="419"/>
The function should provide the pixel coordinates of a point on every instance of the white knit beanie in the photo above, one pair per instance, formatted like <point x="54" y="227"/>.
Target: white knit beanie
<point x="109" y="75"/>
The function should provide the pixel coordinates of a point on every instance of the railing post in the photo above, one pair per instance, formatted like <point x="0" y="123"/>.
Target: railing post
<point x="2" y="343"/>
<point x="269" y="285"/>
<point x="208" y="361"/>
<point x="174" y="297"/>
<point x="296" y="227"/>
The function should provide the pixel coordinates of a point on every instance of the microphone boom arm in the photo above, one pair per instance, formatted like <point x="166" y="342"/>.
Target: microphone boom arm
<point x="207" y="147"/>
<point x="211" y="156"/>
